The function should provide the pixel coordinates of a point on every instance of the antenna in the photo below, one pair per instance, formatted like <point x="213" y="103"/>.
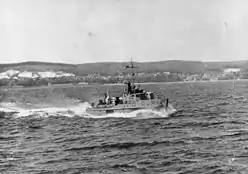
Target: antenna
<point x="131" y="62"/>
<point x="131" y="66"/>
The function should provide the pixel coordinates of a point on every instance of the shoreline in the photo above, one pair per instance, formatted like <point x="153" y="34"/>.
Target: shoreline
<point x="179" y="82"/>
<point x="111" y="84"/>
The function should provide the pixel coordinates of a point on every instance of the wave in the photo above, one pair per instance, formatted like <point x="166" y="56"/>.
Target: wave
<point x="119" y="145"/>
<point x="80" y="110"/>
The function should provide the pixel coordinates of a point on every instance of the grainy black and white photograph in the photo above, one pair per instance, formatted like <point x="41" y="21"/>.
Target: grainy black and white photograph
<point x="123" y="87"/>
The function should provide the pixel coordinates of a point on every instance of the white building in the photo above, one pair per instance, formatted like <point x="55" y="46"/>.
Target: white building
<point x="8" y="74"/>
<point x="232" y="70"/>
<point x="3" y="75"/>
<point x="47" y="74"/>
<point x="12" y="72"/>
<point x="29" y="74"/>
<point x="25" y="74"/>
<point x="51" y="74"/>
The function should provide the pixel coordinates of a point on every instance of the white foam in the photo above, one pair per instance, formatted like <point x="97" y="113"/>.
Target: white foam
<point x="80" y="110"/>
<point x="9" y="107"/>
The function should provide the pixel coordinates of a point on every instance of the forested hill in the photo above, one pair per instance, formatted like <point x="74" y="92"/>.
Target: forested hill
<point x="113" y="67"/>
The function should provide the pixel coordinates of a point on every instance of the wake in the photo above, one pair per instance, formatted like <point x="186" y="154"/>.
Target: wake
<point x="80" y="110"/>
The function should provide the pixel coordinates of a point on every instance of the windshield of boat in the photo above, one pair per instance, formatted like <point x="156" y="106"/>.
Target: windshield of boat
<point x="143" y="96"/>
<point x="151" y="96"/>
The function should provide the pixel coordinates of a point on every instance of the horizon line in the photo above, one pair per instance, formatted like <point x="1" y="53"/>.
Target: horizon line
<point x="52" y="62"/>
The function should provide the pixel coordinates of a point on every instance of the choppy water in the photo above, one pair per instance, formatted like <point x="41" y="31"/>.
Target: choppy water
<point x="208" y="134"/>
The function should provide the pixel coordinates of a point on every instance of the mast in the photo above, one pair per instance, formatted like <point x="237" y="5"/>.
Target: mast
<point x="132" y="67"/>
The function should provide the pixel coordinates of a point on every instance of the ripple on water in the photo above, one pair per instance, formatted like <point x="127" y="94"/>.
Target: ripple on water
<point x="208" y="134"/>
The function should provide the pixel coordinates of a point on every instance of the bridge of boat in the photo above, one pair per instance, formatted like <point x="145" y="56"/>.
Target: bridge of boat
<point x="131" y="100"/>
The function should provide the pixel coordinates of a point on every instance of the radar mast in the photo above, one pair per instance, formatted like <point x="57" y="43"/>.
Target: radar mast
<point x="132" y="67"/>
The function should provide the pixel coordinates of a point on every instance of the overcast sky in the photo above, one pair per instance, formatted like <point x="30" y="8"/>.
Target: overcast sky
<point x="80" y="31"/>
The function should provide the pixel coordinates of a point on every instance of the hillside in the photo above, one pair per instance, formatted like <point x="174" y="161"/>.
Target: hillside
<point x="37" y="66"/>
<point x="113" y="67"/>
<point x="243" y="64"/>
<point x="170" y="66"/>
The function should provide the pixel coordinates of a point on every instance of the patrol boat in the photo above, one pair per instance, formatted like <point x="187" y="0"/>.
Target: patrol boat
<point x="134" y="99"/>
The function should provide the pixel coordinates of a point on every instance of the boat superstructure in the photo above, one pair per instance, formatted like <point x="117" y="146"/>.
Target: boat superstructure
<point x="133" y="99"/>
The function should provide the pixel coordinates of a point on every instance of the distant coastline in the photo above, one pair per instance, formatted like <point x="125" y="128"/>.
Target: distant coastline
<point x="110" y="68"/>
<point x="110" y="84"/>
<point x="44" y="75"/>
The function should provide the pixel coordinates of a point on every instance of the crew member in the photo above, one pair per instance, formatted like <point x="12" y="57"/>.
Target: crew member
<point x="129" y="88"/>
<point x="106" y="98"/>
<point x="167" y="103"/>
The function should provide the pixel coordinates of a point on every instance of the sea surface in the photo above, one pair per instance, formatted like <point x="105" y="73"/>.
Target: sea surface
<point x="207" y="134"/>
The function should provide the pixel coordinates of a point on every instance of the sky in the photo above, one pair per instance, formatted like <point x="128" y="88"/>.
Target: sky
<point x="83" y="31"/>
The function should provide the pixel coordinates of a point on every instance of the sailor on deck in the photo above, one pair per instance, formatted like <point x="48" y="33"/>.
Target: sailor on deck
<point x="106" y="98"/>
<point x="129" y="87"/>
<point x="167" y="103"/>
<point x="138" y="89"/>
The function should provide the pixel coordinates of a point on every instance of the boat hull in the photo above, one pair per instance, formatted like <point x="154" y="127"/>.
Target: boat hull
<point x="110" y="111"/>
<point x="105" y="111"/>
